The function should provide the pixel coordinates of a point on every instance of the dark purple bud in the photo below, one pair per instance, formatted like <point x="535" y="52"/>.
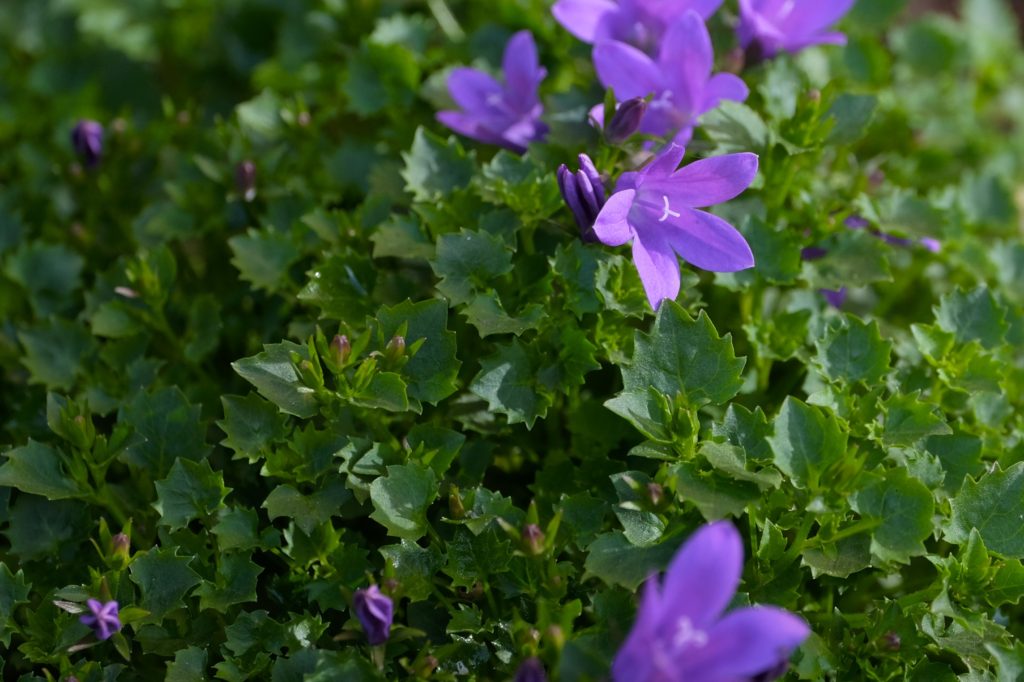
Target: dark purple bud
<point x="531" y="670"/>
<point x="375" y="611"/>
<point x="245" y="180"/>
<point x="102" y="618"/>
<point x="856" y="222"/>
<point x="835" y="297"/>
<point x="533" y="539"/>
<point x="583" y="191"/>
<point x="895" y="241"/>
<point x="626" y="120"/>
<point x="341" y="348"/>
<point x="891" y="641"/>
<point x="813" y="253"/>
<point x="87" y="141"/>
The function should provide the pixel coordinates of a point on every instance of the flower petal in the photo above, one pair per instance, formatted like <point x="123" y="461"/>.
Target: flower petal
<point x="633" y="660"/>
<point x="626" y="70"/>
<point x="813" y="17"/>
<point x="668" y="10"/>
<point x="724" y="86"/>
<point x="473" y="90"/>
<point x="523" y="72"/>
<point x="707" y="182"/>
<point x="665" y="163"/>
<point x="469" y="126"/>
<point x="611" y="226"/>
<point x="744" y="644"/>
<point x="686" y="58"/>
<point x="657" y="265"/>
<point x="795" y="45"/>
<point x="581" y="17"/>
<point x="708" y="242"/>
<point x="704" y="575"/>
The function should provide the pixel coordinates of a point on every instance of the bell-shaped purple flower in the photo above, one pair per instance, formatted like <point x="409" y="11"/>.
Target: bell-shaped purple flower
<point x="507" y="115"/>
<point x="640" y="23"/>
<point x="768" y="27"/>
<point x="87" y="141"/>
<point x="583" y="191"/>
<point x="681" y="633"/>
<point x="679" y="79"/>
<point x="375" y="612"/>
<point x="102" y="618"/>
<point x="656" y="208"/>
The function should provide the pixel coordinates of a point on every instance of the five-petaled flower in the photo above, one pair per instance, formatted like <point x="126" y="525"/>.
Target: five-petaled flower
<point x="641" y="23"/>
<point x="768" y="27"/>
<point x="507" y="115"/>
<point x="87" y="140"/>
<point x="679" y="79"/>
<point x="583" y="191"/>
<point x="102" y="618"/>
<point x="375" y="611"/>
<point x="680" y="633"/>
<point x="656" y="208"/>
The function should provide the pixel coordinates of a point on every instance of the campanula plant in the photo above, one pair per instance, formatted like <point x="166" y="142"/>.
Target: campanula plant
<point x="640" y="23"/>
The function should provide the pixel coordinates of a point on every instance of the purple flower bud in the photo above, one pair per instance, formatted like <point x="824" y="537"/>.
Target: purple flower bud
<point x="341" y="348"/>
<point x="531" y="670"/>
<point x="932" y="244"/>
<point x="835" y="298"/>
<point x="120" y="546"/>
<point x="626" y="120"/>
<point x="102" y="618"/>
<point x="856" y="222"/>
<point x="245" y="180"/>
<point x="395" y="350"/>
<point x="813" y="253"/>
<point x="583" y="191"/>
<point x="533" y="539"/>
<point x="87" y="141"/>
<point x="375" y="611"/>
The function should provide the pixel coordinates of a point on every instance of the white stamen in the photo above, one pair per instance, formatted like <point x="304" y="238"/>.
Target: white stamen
<point x="686" y="635"/>
<point x="668" y="211"/>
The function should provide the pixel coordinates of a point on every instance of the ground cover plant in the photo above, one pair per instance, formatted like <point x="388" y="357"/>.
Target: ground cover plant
<point x="452" y="340"/>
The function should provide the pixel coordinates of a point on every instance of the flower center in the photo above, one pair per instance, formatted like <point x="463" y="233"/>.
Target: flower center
<point x="665" y="216"/>
<point x="687" y="636"/>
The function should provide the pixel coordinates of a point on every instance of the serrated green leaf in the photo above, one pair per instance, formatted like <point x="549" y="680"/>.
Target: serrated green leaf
<point x="431" y="373"/>
<point x="615" y="561"/>
<point x="166" y="427"/>
<point x="192" y="490"/>
<point x="50" y="273"/>
<point x="263" y="258"/>
<point x="235" y="583"/>
<point x="414" y="567"/>
<point x="908" y="419"/>
<point x="401" y="498"/>
<point x="251" y="425"/>
<point x="992" y="505"/>
<point x="854" y="351"/>
<point x="468" y="262"/>
<point x="273" y="375"/>
<point x="806" y="440"/>
<point x="54" y="352"/>
<point x="164" y="578"/>
<point x="380" y="77"/>
<point x="308" y="511"/>
<point x="189" y="665"/>
<point x="904" y="507"/>
<point x="341" y="286"/>
<point x="972" y="316"/>
<point x="13" y="591"/>
<point x="507" y="381"/>
<point x="486" y="313"/>
<point x="434" y="168"/>
<point x="37" y="468"/>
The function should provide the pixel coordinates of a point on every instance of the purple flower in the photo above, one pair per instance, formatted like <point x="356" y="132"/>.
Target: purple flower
<point x="679" y="79"/>
<point x="641" y="23"/>
<point x="531" y="670"/>
<point x="505" y="115"/>
<point x="103" y="618"/>
<point x="834" y="297"/>
<point x="768" y="27"/>
<point x="626" y="120"/>
<point x="656" y="208"/>
<point x="87" y="141"/>
<point x="583" y="191"/>
<point x="681" y="634"/>
<point x="375" y="611"/>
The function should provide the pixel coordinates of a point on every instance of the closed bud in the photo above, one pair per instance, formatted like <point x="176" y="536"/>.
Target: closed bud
<point x="341" y="349"/>
<point x="455" y="506"/>
<point x="533" y="539"/>
<point x="626" y="120"/>
<point x="375" y="612"/>
<point x="395" y="350"/>
<point x="656" y="494"/>
<point x="120" y="545"/>
<point x="245" y="180"/>
<point x="891" y="641"/>
<point x="531" y="670"/>
<point x="814" y="95"/>
<point x="87" y="140"/>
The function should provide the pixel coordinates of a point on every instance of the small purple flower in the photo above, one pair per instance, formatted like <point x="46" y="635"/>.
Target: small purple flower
<point x="679" y="80"/>
<point x="768" y="27"/>
<point x="505" y="115"/>
<point x="656" y="208"/>
<point x="531" y="670"/>
<point x="87" y="141"/>
<point x="583" y="191"/>
<point x="640" y="23"/>
<point x="375" y="611"/>
<point x="103" y="618"/>
<point x="681" y="634"/>
<point x="834" y="297"/>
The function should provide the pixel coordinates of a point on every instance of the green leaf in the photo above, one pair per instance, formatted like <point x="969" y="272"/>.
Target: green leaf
<point x="972" y="316"/>
<point x="380" y="77"/>
<point x="746" y="430"/>
<point x="614" y="560"/>
<point x="401" y="237"/>
<point x="341" y="286"/>
<point x="431" y="373"/>
<point x="991" y="504"/>
<point x="50" y="273"/>
<point x="576" y="263"/>
<point x="468" y="262"/>
<point x="236" y="529"/>
<point x="251" y="425"/>
<point x="13" y="591"/>
<point x="904" y="506"/>
<point x="854" y="351"/>
<point x="166" y="428"/>
<point x="401" y="499"/>
<point x="855" y="258"/>
<point x="263" y="258"/>
<point x="235" y="583"/>
<point x="273" y="375"/>
<point x="908" y="419"/>
<point x="308" y="511"/>
<point x="735" y="127"/>
<point x="43" y="529"/>
<point x="54" y="352"/>
<point x="507" y="381"/>
<point x="37" y="468"/>
<point x="164" y="578"/>
<point x="189" y="665"/>
<point x="806" y="440"/>
<point x="487" y="314"/>
<point x="192" y="490"/>
<point x="776" y="252"/>
<point x="716" y="496"/>
<point x="840" y="559"/>
<point x="640" y="527"/>
<point x="434" y="168"/>
<point x="1007" y="584"/>
<point x="414" y="567"/>
<point x="684" y="356"/>
<point x="852" y="115"/>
